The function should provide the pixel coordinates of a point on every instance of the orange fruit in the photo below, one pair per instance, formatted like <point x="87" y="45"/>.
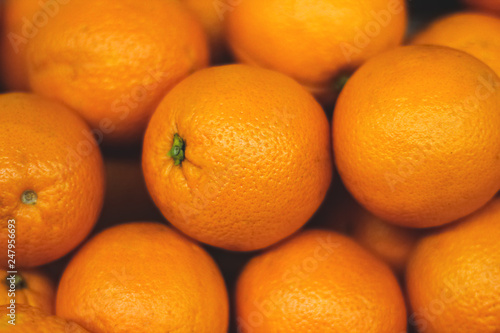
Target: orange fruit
<point x="420" y="152"/>
<point x="51" y="180"/>
<point x="212" y="15"/>
<point x="491" y="6"/>
<point x="453" y="277"/>
<point x="114" y="61"/>
<point x="30" y="319"/>
<point x="391" y="243"/>
<point x="30" y="287"/>
<point x="314" y="42"/>
<point x="474" y="33"/>
<point x="238" y="157"/>
<point x="319" y="281"/>
<point x="21" y="21"/>
<point x="140" y="275"/>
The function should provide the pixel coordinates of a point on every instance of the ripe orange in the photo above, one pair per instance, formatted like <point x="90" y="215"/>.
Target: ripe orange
<point x="391" y="243"/>
<point x="20" y="24"/>
<point x="51" y="179"/>
<point x="314" y="42"/>
<point x="113" y="61"/>
<point x="30" y="287"/>
<point x="453" y="277"/>
<point x="238" y="157"/>
<point x="143" y="275"/>
<point x="416" y="137"/>
<point x="474" y="33"/>
<point x="30" y="319"/>
<point x="319" y="281"/>
<point x="491" y="6"/>
<point x="212" y="14"/>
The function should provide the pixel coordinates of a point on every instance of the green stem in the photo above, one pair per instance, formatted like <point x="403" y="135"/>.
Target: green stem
<point x="340" y="82"/>
<point x="19" y="281"/>
<point x="178" y="149"/>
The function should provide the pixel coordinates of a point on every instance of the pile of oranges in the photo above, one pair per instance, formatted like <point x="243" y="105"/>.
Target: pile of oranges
<point x="159" y="161"/>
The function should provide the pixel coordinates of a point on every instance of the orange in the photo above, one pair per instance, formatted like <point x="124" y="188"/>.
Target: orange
<point x="21" y="21"/>
<point x="29" y="319"/>
<point x="30" y="287"/>
<point x="212" y="15"/>
<point x="474" y="33"/>
<point x="416" y="137"/>
<point x="491" y="6"/>
<point x="453" y="277"/>
<point x="143" y="275"/>
<point x="114" y="61"/>
<point x="319" y="281"/>
<point x="391" y="243"/>
<point x="314" y="41"/>
<point x="238" y="157"/>
<point x="51" y="180"/>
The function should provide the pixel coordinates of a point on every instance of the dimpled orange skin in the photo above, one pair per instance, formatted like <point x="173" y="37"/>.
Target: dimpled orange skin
<point x="113" y="61"/>
<point x="34" y="288"/>
<point x="48" y="149"/>
<point x="31" y="319"/>
<point x="257" y="161"/>
<point x="313" y="42"/>
<point x="474" y="33"/>
<point x="490" y="6"/>
<point x="415" y="135"/>
<point x="140" y="275"/>
<point x="453" y="276"/>
<point x="16" y="34"/>
<point x="391" y="243"/>
<point x="319" y="281"/>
